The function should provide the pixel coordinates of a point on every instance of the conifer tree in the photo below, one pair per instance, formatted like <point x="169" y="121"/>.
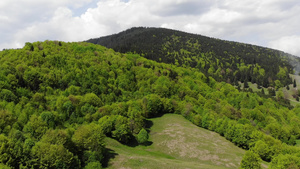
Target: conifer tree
<point x="246" y="84"/>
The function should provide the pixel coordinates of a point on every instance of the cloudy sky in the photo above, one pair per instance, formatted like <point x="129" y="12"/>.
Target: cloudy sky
<point x="269" y="23"/>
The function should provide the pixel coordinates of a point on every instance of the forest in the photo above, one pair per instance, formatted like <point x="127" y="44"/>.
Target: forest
<point x="223" y="60"/>
<point x="58" y="101"/>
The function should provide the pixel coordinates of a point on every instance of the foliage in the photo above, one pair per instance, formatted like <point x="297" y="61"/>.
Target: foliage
<point x="223" y="60"/>
<point x="93" y="165"/>
<point x="250" y="160"/>
<point x="60" y="100"/>
<point x="285" y="161"/>
<point x="143" y="136"/>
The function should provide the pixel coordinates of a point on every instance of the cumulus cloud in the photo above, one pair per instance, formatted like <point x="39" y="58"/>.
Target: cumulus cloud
<point x="181" y="7"/>
<point x="271" y="23"/>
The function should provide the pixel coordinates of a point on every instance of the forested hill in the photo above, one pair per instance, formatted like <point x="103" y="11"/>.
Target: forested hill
<point x="58" y="101"/>
<point x="223" y="60"/>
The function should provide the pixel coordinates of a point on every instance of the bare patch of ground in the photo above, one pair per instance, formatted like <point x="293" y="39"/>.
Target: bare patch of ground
<point x="187" y="141"/>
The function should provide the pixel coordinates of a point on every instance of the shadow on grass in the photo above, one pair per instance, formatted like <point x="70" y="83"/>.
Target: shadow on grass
<point x="109" y="154"/>
<point x="148" y="124"/>
<point x="148" y="143"/>
<point x="133" y="143"/>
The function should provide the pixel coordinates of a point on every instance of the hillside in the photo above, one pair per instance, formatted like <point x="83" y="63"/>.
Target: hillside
<point x="177" y="143"/>
<point x="60" y="102"/>
<point x="223" y="60"/>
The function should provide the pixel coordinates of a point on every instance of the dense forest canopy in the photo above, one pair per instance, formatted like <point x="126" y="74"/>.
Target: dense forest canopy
<point x="223" y="60"/>
<point x="58" y="101"/>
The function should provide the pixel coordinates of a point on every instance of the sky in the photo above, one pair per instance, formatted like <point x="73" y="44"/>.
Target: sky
<point x="269" y="23"/>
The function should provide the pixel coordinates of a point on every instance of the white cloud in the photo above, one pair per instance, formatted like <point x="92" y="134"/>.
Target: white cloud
<point x="272" y="23"/>
<point x="288" y="44"/>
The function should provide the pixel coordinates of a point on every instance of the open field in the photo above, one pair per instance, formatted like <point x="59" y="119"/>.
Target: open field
<point x="177" y="143"/>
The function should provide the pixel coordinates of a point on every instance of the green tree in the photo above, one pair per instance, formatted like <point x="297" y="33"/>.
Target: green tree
<point x="143" y="136"/>
<point x="4" y="166"/>
<point x="48" y="155"/>
<point x="7" y="95"/>
<point x="48" y="117"/>
<point x="278" y="84"/>
<point x="251" y="160"/>
<point x="122" y="133"/>
<point x="262" y="91"/>
<point x="262" y="149"/>
<point x="89" y="137"/>
<point x="272" y="92"/>
<point x="93" y="165"/>
<point x="246" y="85"/>
<point x="29" y="46"/>
<point x="36" y="127"/>
<point x="32" y="78"/>
<point x="286" y="161"/>
<point x="59" y="137"/>
<point x="10" y="151"/>
<point x="89" y="142"/>
<point x="107" y="124"/>
<point x="92" y="99"/>
<point x="152" y="105"/>
<point x="7" y="119"/>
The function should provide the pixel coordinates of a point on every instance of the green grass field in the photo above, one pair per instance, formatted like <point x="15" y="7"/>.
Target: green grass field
<point x="177" y="143"/>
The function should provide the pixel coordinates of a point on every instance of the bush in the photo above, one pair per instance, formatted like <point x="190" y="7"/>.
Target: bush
<point x="93" y="165"/>
<point x="143" y="136"/>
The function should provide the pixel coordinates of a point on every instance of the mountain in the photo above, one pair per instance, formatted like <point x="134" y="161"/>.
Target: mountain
<point x="223" y="60"/>
<point x="60" y="102"/>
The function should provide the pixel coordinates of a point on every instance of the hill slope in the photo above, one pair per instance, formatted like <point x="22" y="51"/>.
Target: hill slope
<point x="223" y="60"/>
<point x="59" y="101"/>
<point x="177" y="143"/>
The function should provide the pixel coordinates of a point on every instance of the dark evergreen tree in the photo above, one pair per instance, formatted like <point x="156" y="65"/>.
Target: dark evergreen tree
<point x="263" y="91"/>
<point x="246" y="85"/>
<point x="272" y="92"/>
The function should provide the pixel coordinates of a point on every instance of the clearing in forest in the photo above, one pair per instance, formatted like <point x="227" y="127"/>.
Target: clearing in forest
<point x="176" y="143"/>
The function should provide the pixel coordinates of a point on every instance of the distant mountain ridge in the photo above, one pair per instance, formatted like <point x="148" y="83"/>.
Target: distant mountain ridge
<point x="223" y="60"/>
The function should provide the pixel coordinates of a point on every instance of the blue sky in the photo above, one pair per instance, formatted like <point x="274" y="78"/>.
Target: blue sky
<point x="269" y="23"/>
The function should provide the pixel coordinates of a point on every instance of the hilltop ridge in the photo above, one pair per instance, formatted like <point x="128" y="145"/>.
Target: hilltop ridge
<point x="224" y="60"/>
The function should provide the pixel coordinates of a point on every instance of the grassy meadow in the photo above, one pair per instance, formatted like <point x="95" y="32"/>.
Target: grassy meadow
<point x="176" y="143"/>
